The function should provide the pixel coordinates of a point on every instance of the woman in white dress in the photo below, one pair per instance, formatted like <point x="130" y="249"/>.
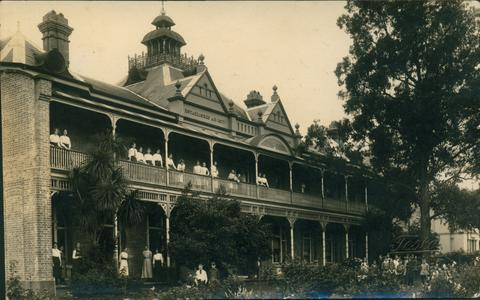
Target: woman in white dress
<point x="147" y="264"/>
<point x="123" y="263"/>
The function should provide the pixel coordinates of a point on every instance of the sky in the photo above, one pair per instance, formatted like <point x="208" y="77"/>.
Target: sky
<point x="247" y="45"/>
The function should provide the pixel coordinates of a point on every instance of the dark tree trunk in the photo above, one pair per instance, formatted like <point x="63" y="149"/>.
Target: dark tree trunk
<point x="425" y="222"/>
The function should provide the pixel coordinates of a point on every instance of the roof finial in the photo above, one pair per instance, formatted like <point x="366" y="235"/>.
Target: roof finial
<point x="163" y="7"/>
<point x="275" y="96"/>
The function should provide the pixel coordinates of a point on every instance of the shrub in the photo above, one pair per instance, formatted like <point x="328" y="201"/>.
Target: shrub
<point x="460" y="257"/>
<point x="468" y="277"/>
<point x="312" y="281"/>
<point x="16" y="291"/>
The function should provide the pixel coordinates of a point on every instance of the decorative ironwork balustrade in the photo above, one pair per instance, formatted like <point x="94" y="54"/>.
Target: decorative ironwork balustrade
<point x="144" y="61"/>
<point x="65" y="160"/>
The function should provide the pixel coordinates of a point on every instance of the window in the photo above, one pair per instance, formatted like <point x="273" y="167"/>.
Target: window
<point x="471" y="245"/>
<point x="279" y="247"/>
<point x="156" y="231"/>
<point x="307" y="247"/>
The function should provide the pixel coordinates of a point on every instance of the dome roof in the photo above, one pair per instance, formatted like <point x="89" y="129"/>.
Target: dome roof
<point x="163" y="32"/>
<point x="163" y="21"/>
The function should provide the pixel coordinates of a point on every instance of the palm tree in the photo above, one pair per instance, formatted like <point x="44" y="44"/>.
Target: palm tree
<point x="100" y="190"/>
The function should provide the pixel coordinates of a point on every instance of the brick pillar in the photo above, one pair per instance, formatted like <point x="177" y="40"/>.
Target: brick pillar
<point x="26" y="173"/>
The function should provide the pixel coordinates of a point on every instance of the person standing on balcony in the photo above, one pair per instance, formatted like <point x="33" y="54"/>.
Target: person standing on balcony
<point x="55" y="138"/>
<point x="242" y="178"/>
<point x="132" y="153"/>
<point x="157" y="159"/>
<point x="302" y="187"/>
<point x="149" y="157"/>
<point x="170" y="162"/>
<point x="233" y="177"/>
<point x="259" y="179"/>
<point x="205" y="170"/>
<point x="181" y="166"/>
<point x="197" y="169"/>
<point x="214" y="170"/>
<point x="65" y="140"/>
<point x="140" y="158"/>
<point x="262" y="180"/>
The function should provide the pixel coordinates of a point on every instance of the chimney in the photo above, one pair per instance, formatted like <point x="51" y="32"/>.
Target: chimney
<point x="55" y="32"/>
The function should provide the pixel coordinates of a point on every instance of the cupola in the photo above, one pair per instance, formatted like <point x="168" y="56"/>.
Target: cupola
<point x="254" y="98"/>
<point x="163" y="46"/>
<point x="163" y="40"/>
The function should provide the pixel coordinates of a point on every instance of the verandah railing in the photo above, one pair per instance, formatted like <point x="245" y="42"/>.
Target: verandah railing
<point x="62" y="159"/>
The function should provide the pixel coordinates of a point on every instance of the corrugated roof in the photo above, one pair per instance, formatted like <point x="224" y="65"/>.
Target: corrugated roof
<point x="237" y="109"/>
<point x="157" y="88"/>
<point x="117" y="91"/>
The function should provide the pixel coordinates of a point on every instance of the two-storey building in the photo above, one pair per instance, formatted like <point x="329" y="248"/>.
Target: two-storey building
<point x="167" y="101"/>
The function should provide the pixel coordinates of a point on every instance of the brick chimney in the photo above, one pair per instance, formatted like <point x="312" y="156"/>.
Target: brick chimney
<point x="55" y="32"/>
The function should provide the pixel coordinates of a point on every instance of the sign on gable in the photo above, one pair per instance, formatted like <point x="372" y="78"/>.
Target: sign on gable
<point x="206" y="116"/>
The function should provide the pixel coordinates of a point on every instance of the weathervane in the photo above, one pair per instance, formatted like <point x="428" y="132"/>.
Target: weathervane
<point x="163" y="7"/>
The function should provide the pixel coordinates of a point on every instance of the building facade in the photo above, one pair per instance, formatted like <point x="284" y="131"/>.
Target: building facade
<point x="460" y="240"/>
<point x="168" y="101"/>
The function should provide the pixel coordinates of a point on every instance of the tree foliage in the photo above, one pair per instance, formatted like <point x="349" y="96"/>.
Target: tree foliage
<point x="99" y="191"/>
<point x="411" y="85"/>
<point x="203" y="231"/>
<point x="459" y="207"/>
<point x="335" y="140"/>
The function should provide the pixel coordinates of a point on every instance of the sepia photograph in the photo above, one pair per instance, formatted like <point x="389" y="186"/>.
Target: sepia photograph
<point x="239" y="149"/>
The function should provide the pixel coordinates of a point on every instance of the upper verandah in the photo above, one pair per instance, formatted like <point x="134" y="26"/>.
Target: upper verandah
<point x="157" y="89"/>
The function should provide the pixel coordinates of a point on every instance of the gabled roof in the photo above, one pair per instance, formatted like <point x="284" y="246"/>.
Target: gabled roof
<point x="266" y="109"/>
<point x="18" y="49"/>
<point x="279" y="104"/>
<point x="160" y="85"/>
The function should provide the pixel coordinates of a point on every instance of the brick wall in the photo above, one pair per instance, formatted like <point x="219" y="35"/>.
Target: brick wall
<point x="26" y="172"/>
